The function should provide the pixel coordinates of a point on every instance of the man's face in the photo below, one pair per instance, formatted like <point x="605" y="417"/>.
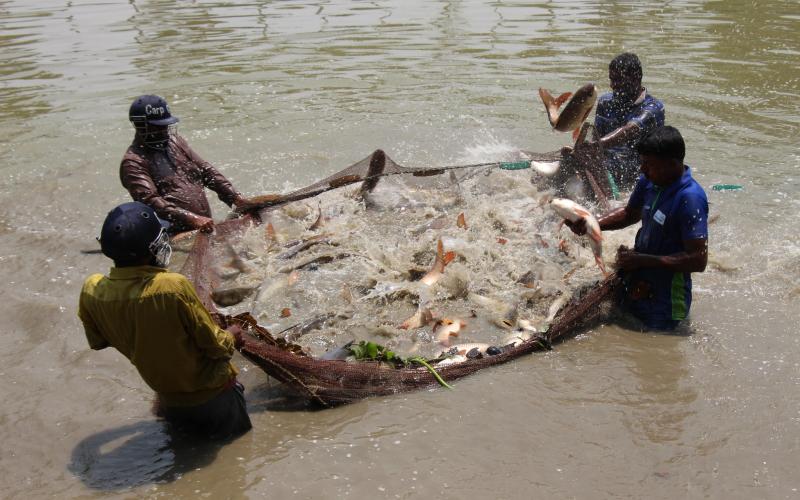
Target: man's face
<point x="660" y="171"/>
<point x="624" y="86"/>
<point x="156" y="136"/>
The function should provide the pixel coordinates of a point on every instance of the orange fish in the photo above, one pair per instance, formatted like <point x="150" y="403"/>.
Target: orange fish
<point x="446" y="328"/>
<point x="574" y="113"/>
<point x="442" y="259"/>
<point x="421" y="318"/>
<point x="461" y="222"/>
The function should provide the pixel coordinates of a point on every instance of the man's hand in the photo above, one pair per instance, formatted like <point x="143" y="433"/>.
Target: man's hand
<point x="629" y="259"/>
<point x="236" y="331"/>
<point x="204" y="224"/>
<point x="244" y="205"/>
<point x="578" y="227"/>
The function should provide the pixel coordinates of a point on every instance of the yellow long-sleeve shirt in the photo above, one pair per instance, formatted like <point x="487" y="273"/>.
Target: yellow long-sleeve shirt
<point x="155" y="319"/>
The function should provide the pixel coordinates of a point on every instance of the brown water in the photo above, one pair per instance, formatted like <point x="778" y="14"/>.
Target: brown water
<point x="282" y="93"/>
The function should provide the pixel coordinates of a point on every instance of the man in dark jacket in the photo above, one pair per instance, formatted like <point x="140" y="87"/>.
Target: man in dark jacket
<point x="160" y="170"/>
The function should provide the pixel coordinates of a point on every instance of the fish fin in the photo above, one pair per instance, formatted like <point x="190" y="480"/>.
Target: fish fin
<point x="448" y="257"/>
<point x="582" y="212"/>
<point x="546" y="96"/>
<point x="562" y="99"/>
<point x="549" y="106"/>
<point x="461" y="221"/>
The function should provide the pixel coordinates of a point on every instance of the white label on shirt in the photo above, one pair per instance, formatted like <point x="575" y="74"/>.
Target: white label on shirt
<point x="659" y="217"/>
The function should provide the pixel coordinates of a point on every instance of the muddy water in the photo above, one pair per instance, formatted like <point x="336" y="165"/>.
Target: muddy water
<point x="280" y="94"/>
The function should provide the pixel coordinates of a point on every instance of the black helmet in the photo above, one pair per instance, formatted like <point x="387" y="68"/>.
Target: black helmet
<point x="150" y="110"/>
<point x="128" y="232"/>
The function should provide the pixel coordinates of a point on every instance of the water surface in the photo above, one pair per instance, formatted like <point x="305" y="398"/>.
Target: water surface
<point x="278" y="94"/>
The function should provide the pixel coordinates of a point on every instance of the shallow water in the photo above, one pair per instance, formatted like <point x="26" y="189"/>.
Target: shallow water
<point x="279" y="94"/>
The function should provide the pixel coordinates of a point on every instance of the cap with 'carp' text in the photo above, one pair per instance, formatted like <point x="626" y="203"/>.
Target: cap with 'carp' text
<point x="151" y="110"/>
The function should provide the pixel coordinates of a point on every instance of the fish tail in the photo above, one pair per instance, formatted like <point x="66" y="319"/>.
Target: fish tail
<point x="549" y="105"/>
<point x="601" y="265"/>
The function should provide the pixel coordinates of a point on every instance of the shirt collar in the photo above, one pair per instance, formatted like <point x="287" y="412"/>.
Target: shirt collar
<point x="134" y="272"/>
<point x="684" y="179"/>
<point x="641" y="97"/>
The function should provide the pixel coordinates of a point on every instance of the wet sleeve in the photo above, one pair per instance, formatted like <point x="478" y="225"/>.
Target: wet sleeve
<point x="636" y="201"/>
<point x="602" y="121"/>
<point x="211" y="177"/>
<point x="649" y="117"/>
<point x="693" y="217"/>
<point x="212" y="340"/>
<point x="93" y="336"/>
<point x="137" y="180"/>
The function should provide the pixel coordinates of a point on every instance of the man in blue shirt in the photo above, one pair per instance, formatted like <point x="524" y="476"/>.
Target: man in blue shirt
<point x="673" y="239"/>
<point x="624" y="116"/>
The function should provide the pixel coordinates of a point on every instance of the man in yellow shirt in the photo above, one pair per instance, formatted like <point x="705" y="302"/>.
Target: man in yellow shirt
<point x="155" y="319"/>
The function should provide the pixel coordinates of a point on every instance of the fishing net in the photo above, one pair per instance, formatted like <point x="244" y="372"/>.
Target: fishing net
<point x="331" y="382"/>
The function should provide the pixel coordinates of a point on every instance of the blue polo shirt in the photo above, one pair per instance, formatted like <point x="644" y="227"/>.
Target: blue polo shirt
<point x="670" y="215"/>
<point x="646" y="111"/>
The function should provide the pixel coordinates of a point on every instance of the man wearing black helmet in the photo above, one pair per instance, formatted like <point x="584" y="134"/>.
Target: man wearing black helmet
<point x="162" y="171"/>
<point x="156" y="320"/>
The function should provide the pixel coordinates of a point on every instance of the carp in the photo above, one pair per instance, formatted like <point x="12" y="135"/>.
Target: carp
<point x="574" y="113"/>
<point x="442" y="259"/>
<point x="570" y="210"/>
<point x="446" y="328"/>
<point x="422" y="317"/>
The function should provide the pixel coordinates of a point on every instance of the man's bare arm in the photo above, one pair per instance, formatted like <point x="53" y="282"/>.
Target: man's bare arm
<point x="692" y="260"/>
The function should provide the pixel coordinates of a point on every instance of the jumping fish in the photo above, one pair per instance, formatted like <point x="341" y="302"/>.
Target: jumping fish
<point x="574" y="113"/>
<point x="320" y="220"/>
<point x="236" y="261"/>
<point x="570" y="210"/>
<point x="461" y="221"/>
<point x="546" y="168"/>
<point x="270" y="235"/>
<point x="514" y="339"/>
<point x="226" y="297"/>
<point x="555" y="307"/>
<point x="422" y="317"/>
<point x="446" y="328"/>
<point x="442" y="259"/>
<point x="503" y="315"/>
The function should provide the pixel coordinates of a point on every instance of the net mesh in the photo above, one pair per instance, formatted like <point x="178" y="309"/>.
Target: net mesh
<point x="332" y="382"/>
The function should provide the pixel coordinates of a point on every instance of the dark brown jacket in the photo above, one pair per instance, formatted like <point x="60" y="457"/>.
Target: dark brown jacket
<point x="172" y="184"/>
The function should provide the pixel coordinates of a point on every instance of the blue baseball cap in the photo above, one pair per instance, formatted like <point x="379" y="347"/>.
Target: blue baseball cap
<point x="128" y="231"/>
<point x="151" y="110"/>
